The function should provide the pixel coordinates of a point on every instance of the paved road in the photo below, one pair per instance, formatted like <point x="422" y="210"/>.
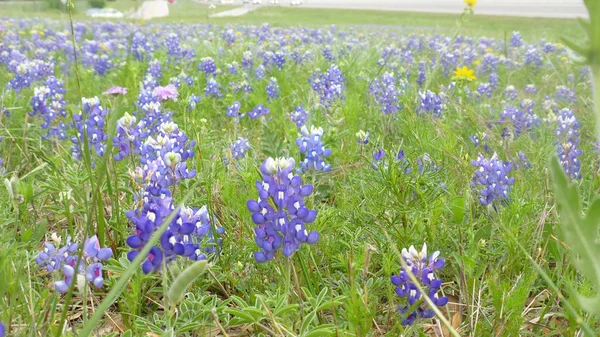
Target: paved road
<point x="235" y="12"/>
<point x="528" y="8"/>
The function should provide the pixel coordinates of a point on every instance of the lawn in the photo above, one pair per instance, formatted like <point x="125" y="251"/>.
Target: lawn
<point x="295" y="172"/>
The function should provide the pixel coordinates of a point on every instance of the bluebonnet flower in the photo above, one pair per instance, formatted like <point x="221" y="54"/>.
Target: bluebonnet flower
<point x="524" y="163"/>
<point x="91" y="121"/>
<point x="141" y="47"/>
<point x="233" y="111"/>
<point x="484" y="90"/>
<point x="363" y="137"/>
<point x="259" y="72"/>
<point x="565" y="94"/>
<point x="272" y="89"/>
<point x="208" y="66"/>
<point x="213" y="88"/>
<point x="232" y="68"/>
<point x="311" y="145"/>
<point x="329" y="85"/>
<point x="422" y="74"/>
<point x="516" y="40"/>
<point x="567" y="142"/>
<point x="258" y="111"/>
<point x="299" y="116"/>
<point x="2" y="330"/>
<point x="66" y="260"/>
<point x="280" y="212"/>
<point x="239" y="148"/>
<point x="521" y="120"/>
<point x="531" y="89"/>
<point x="279" y="59"/>
<point x="533" y="57"/>
<point x="48" y="103"/>
<point x="327" y="53"/>
<point x="493" y="79"/>
<point x="378" y="157"/>
<point x="155" y="70"/>
<point x="192" y="101"/>
<point x="26" y="72"/>
<point x="431" y="103"/>
<point x="129" y="136"/>
<point x="247" y="60"/>
<point x="385" y="93"/>
<point x="490" y="63"/>
<point x="510" y="93"/>
<point x="424" y="269"/>
<point x="492" y="177"/>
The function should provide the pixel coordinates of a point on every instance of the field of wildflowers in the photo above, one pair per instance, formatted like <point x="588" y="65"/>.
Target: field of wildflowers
<point x="180" y="179"/>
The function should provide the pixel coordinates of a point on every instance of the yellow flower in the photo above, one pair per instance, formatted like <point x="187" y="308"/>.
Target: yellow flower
<point x="464" y="73"/>
<point x="471" y="3"/>
<point x="477" y="62"/>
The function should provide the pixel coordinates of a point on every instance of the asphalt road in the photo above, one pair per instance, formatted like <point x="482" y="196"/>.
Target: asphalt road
<point x="527" y="8"/>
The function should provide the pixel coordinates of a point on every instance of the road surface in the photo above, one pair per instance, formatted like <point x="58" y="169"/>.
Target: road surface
<point x="528" y="8"/>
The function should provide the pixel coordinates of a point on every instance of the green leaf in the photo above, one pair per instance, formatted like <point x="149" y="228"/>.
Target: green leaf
<point x="579" y="233"/>
<point x="321" y="331"/>
<point x="183" y="280"/>
<point x="270" y="143"/>
<point x="244" y="317"/>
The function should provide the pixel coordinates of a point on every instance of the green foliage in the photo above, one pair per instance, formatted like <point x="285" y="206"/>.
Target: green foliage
<point x="97" y="3"/>
<point x="184" y="279"/>
<point x="580" y="233"/>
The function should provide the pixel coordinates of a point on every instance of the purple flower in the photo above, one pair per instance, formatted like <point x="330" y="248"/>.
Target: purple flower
<point x="166" y="92"/>
<point x="516" y="40"/>
<point x="91" y="121"/>
<point x="299" y="116"/>
<point x="567" y="142"/>
<point x="492" y="179"/>
<point x="385" y="93"/>
<point x="329" y="85"/>
<point x="115" y="91"/>
<point x="65" y="259"/>
<point x="311" y="145"/>
<point x="431" y="103"/>
<point x="239" y="148"/>
<point x="280" y="212"/>
<point x="272" y="89"/>
<point x="424" y="269"/>
<point x="259" y="110"/>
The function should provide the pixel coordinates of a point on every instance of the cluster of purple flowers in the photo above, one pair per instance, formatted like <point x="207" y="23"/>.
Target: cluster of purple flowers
<point x="27" y="71"/>
<point x="258" y="111"/>
<point x="48" y="104"/>
<point x="521" y="119"/>
<point x="424" y="269"/>
<point x="311" y="145"/>
<point x="299" y="116"/>
<point x="567" y="143"/>
<point x="272" y="89"/>
<point x="65" y="259"/>
<point x="239" y="148"/>
<point x="385" y="93"/>
<point x="431" y="103"/>
<point x="91" y="122"/>
<point x="280" y="211"/>
<point x="329" y="85"/>
<point x="492" y="178"/>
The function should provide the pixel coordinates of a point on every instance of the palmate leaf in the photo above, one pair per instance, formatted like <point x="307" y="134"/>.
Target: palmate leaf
<point x="271" y="144"/>
<point x="579" y="232"/>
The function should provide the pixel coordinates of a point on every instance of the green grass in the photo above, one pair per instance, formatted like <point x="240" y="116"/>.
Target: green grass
<point x="340" y="286"/>
<point x="479" y="25"/>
